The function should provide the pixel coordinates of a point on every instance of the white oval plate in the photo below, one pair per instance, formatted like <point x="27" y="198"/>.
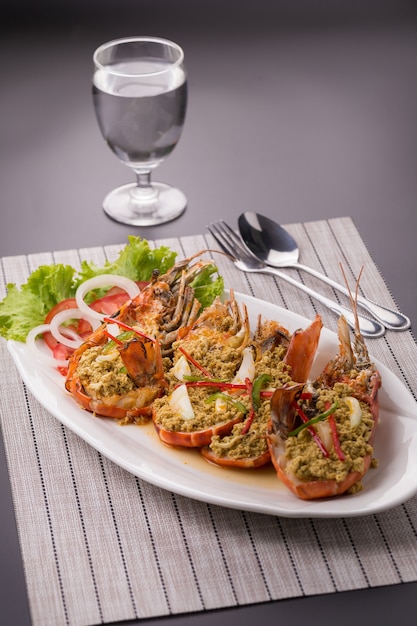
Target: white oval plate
<point x="138" y="450"/>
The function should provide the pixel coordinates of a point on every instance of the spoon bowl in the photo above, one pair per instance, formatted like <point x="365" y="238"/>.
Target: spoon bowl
<point x="272" y="244"/>
<point x="268" y="241"/>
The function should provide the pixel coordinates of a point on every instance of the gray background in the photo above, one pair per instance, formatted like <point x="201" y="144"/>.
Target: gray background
<point x="300" y="110"/>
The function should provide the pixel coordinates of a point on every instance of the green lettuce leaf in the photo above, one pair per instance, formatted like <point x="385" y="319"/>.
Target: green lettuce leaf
<point x="208" y="285"/>
<point x="136" y="261"/>
<point x="23" y="309"/>
<point x="52" y="284"/>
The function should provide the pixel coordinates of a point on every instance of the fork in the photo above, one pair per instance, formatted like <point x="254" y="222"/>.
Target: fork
<point x="231" y="243"/>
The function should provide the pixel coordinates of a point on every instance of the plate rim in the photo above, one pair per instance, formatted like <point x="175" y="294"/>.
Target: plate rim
<point x="326" y="508"/>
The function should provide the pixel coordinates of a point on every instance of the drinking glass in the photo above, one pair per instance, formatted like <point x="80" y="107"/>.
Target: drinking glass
<point x="140" y="100"/>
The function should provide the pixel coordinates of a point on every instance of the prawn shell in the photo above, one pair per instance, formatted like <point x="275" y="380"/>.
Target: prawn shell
<point x="164" y="306"/>
<point x="316" y="489"/>
<point x="107" y="410"/>
<point x="302" y="350"/>
<point x="193" y="439"/>
<point x="226" y="461"/>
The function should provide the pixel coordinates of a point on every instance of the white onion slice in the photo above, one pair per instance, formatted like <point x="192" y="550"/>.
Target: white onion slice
<point x="103" y="280"/>
<point x="36" y="350"/>
<point x="71" y="339"/>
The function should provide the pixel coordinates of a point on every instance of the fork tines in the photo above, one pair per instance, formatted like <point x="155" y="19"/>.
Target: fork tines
<point x="227" y="239"/>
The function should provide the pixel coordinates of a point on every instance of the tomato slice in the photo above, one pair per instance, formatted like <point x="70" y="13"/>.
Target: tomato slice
<point x="62" y="352"/>
<point x="109" y="304"/>
<point x="113" y="300"/>
<point x="49" y="339"/>
<point x="83" y="328"/>
<point x="69" y="303"/>
<point x="114" y="290"/>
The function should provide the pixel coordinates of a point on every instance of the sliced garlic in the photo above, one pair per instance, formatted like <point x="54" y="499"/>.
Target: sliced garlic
<point x="354" y="410"/>
<point x="108" y="356"/>
<point x="246" y="369"/>
<point x="180" y="403"/>
<point x="181" y="368"/>
<point x="220" y="405"/>
<point x="325" y="434"/>
<point x="113" y="329"/>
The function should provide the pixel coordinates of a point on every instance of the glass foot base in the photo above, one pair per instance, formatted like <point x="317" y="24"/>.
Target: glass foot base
<point x="125" y="205"/>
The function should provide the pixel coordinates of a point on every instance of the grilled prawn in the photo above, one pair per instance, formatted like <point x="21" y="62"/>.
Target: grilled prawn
<point x="279" y="357"/>
<point x="119" y="370"/>
<point x="321" y="434"/>
<point x="204" y="381"/>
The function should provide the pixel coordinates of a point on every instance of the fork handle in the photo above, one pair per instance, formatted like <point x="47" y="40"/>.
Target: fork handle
<point x="369" y="328"/>
<point x="393" y="320"/>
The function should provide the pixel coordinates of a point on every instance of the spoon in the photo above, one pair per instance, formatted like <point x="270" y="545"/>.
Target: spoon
<point x="273" y="245"/>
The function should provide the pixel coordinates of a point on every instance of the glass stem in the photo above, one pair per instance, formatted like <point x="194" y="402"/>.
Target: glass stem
<point x="143" y="179"/>
<point x="143" y="192"/>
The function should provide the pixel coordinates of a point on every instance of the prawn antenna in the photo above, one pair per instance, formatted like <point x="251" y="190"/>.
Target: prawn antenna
<point x="353" y="300"/>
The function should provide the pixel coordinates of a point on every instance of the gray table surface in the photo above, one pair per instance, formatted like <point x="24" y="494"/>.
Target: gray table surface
<point x="298" y="110"/>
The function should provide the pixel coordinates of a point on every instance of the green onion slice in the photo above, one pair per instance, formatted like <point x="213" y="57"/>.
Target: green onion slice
<point x="258" y="383"/>
<point x="239" y="406"/>
<point x="122" y="337"/>
<point x="196" y="379"/>
<point x="314" y="420"/>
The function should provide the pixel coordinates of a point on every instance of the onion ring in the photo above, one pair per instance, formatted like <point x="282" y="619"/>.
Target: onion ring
<point x="73" y="339"/>
<point x="103" y="280"/>
<point x="37" y="352"/>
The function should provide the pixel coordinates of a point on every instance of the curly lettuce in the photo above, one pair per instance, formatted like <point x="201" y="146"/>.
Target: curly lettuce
<point x="23" y="309"/>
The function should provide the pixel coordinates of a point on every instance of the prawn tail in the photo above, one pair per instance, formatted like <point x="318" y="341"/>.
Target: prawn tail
<point x="302" y="350"/>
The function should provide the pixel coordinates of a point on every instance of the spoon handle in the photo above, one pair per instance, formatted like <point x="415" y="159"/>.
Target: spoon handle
<point x="369" y="328"/>
<point x="393" y="320"/>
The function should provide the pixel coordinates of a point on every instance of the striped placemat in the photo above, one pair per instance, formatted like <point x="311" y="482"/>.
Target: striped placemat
<point x="101" y="545"/>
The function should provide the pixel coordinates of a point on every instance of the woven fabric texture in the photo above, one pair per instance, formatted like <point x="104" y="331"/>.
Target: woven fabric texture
<point x="101" y="545"/>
